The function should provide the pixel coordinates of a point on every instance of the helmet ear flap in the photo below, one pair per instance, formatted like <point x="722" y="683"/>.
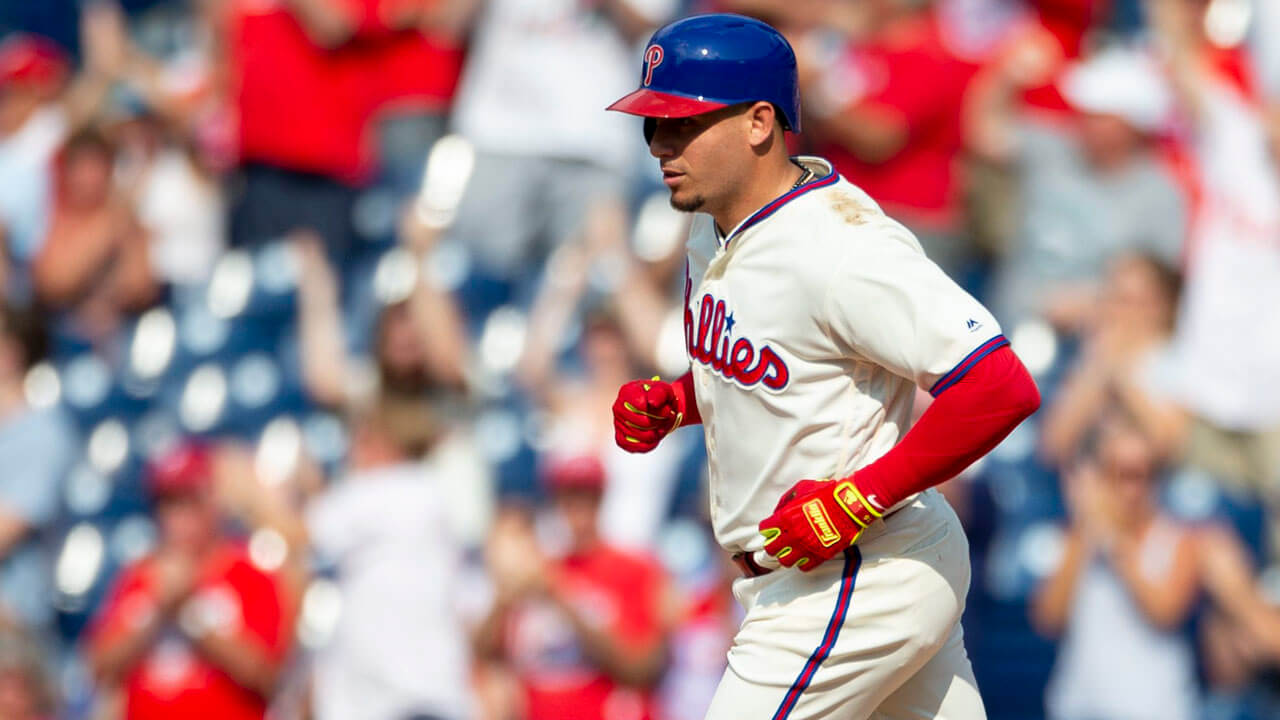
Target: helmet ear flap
<point x="650" y="127"/>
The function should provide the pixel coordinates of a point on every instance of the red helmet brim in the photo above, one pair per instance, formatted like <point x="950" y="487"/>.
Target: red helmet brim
<point x="654" y="104"/>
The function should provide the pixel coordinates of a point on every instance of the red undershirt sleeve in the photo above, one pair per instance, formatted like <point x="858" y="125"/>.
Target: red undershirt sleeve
<point x="967" y="420"/>
<point x="683" y="389"/>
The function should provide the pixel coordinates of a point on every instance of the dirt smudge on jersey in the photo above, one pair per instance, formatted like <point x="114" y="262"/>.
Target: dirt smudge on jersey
<point x="848" y="208"/>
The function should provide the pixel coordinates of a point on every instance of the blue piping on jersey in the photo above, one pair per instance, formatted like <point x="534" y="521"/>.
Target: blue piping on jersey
<point x="773" y="207"/>
<point x="953" y="375"/>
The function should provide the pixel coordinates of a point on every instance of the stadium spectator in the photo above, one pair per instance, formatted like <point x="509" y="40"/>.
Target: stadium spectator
<point x="36" y="449"/>
<point x="548" y="163"/>
<point x="40" y="103"/>
<point x="639" y="491"/>
<point x="1122" y="591"/>
<point x="32" y="70"/>
<point x="399" y="650"/>
<point x="1126" y="362"/>
<point x="700" y="642"/>
<point x="1228" y="341"/>
<point x="194" y="629"/>
<point x="420" y="356"/>
<point x="419" y="345"/>
<point x="1062" y="29"/>
<point x="296" y="60"/>
<point x="585" y="631"/>
<point x="419" y="65"/>
<point x="332" y="66"/>
<point x="1241" y="631"/>
<point x="177" y="201"/>
<point x="93" y="263"/>
<point x="26" y="692"/>
<point x="1037" y="39"/>
<point x="1088" y="190"/>
<point x="1265" y="43"/>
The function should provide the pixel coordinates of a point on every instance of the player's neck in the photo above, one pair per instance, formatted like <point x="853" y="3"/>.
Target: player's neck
<point x="776" y="176"/>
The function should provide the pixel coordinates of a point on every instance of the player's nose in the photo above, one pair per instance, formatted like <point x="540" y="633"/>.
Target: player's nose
<point x="660" y="139"/>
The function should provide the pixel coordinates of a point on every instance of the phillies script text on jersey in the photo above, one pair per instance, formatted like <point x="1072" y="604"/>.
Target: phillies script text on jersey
<point x="709" y="344"/>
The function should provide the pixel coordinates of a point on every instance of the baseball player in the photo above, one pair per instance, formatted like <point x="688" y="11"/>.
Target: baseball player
<point x="810" y="318"/>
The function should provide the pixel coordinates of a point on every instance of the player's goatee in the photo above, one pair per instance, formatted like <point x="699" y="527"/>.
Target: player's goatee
<point x="691" y="205"/>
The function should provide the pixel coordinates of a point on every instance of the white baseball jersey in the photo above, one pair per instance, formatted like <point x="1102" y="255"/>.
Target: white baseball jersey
<point x="808" y="327"/>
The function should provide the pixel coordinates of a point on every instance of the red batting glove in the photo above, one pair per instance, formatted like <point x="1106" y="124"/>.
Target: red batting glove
<point x="815" y="521"/>
<point x="643" y="414"/>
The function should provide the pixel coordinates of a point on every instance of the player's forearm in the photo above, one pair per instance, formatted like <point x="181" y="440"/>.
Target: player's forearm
<point x="964" y="423"/>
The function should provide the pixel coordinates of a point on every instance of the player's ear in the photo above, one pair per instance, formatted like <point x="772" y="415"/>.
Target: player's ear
<point x="762" y="119"/>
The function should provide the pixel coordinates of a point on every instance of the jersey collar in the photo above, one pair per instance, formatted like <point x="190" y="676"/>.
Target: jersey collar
<point x="827" y="177"/>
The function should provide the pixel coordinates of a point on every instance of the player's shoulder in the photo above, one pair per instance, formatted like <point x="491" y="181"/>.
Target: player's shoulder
<point x="844" y="214"/>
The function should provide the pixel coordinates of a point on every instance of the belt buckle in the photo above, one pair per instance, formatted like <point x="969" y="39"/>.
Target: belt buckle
<point x="749" y="567"/>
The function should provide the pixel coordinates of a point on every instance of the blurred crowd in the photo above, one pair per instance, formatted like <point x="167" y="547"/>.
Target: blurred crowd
<point x="313" y="310"/>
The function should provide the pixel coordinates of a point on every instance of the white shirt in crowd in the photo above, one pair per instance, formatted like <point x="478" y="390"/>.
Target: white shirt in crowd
<point x="1228" y="339"/>
<point x="539" y="75"/>
<point x="26" y="173"/>
<point x="183" y="215"/>
<point x="1113" y="662"/>
<point x="399" y="647"/>
<point x="1264" y="42"/>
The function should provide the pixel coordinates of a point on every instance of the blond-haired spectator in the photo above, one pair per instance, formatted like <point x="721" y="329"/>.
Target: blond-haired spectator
<point x="1126" y="361"/>
<point x="1121" y="592"/>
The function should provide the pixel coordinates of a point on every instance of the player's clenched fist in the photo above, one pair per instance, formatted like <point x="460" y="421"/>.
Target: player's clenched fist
<point x="815" y="521"/>
<point x="643" y="414"/>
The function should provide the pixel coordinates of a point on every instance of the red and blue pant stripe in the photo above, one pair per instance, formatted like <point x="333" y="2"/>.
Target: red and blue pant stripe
<point x="852" y="561"/>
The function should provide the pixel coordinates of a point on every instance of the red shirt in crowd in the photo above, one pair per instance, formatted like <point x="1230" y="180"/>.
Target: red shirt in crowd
<point x="1067" y="22"/>
<point x="910" y="73"/>
<point x="615" y="590"/>
<point x="412" y="71"/>
<point x="173" y="680"/>
<point x="306" y="108"/>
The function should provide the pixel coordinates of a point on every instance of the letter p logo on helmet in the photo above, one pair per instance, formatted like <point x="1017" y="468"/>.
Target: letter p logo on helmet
<point x="652" y="59"/>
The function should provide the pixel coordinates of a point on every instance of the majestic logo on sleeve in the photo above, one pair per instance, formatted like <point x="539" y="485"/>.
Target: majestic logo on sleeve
<point x="710" y="341"/>
<point x="652" y="59"/>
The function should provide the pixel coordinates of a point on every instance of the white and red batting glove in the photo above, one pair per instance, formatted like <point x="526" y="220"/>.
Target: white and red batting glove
<point x="815" y="521"/>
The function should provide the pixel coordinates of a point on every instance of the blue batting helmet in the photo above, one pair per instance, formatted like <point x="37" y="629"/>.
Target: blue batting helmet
<point x="707" y="62"/>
